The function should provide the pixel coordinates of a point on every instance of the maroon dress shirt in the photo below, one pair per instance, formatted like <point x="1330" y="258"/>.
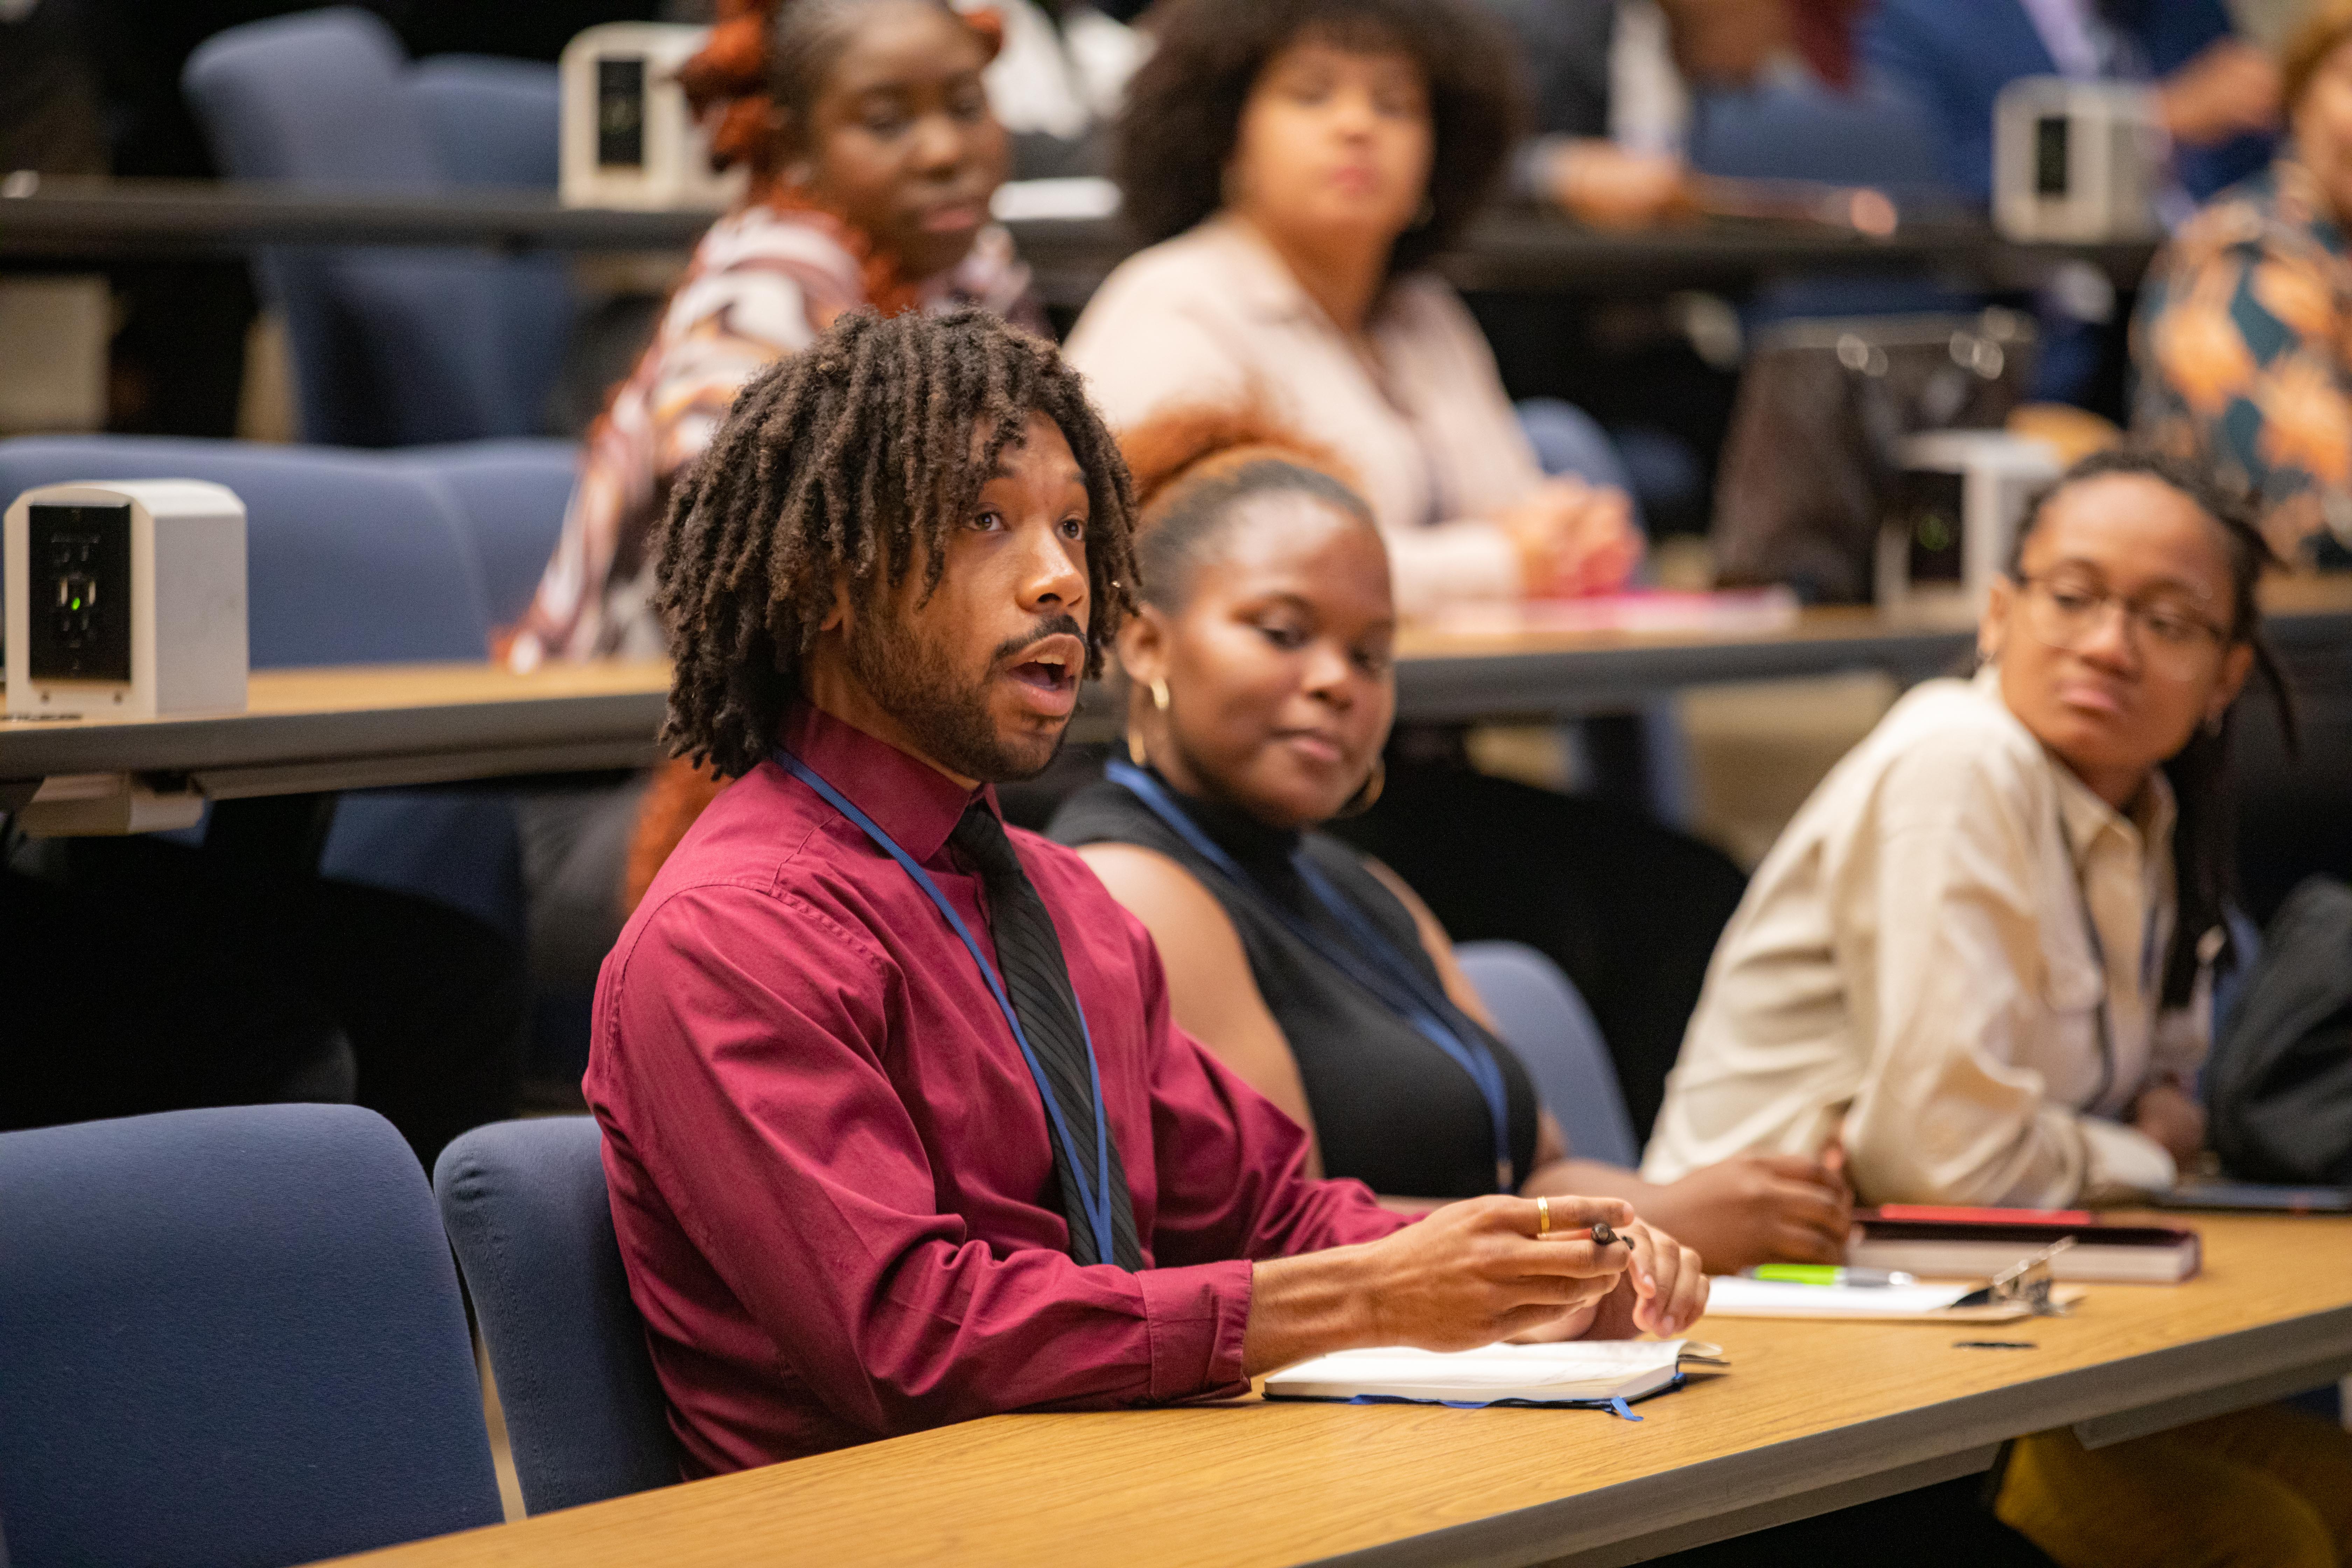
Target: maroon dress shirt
<point x="828" y="1160"/>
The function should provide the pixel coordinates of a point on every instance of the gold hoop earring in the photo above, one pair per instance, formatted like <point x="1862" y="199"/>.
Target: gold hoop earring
<point x="1368" y="794"/>
<point x="1135" y="751"/>
<point x="1159" y="694"/>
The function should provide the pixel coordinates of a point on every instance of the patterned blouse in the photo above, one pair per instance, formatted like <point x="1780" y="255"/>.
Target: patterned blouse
<point x="2243" y="354"/>
<point x="765" y="281"/>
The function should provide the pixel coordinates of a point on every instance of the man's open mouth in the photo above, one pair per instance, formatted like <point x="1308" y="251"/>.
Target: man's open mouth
<point x="1045" y="674"/>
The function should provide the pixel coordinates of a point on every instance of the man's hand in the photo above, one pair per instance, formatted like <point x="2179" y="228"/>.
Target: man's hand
<point x="2168" y="1113"/>
<point x="1573" y="539"/>
<point x="2229" y="88"/>
<point x="1760" y="1208"/>
<point x="1661" y="1292"/>
<point x="1469" y="1275"/>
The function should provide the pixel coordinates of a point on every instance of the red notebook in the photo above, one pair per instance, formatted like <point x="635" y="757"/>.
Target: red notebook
<point x="1940" y="1243"/>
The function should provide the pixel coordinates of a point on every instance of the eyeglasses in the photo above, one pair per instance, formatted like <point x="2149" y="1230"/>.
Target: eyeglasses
<point x="2174" y="642"/>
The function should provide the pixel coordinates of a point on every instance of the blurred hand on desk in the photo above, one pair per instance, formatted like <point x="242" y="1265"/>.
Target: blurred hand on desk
<point x="1573" y="539"/>
<point x="1599" y="182"/>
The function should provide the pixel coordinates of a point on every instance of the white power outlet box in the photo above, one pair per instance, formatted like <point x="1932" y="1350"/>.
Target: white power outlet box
<point x="629" y="138"/>
<point x="2077" y="161"/>
<point x="125" y="600"/>
<point x="1961" y="496"/>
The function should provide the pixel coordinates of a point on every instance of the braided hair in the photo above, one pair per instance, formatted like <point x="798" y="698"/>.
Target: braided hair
<point x="2204" y="830"/>
<point x="855" y="456"/>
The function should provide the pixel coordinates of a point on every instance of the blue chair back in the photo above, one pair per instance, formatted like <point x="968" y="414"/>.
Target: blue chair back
<point x="393" y="346"/>
<point x="492" y="121"/>
<point x="1540" y="1016"/>
<point x="230" y="1337"/>
<point x="526" y="1207"/>
<point x="350" y="559"/>
<point x="512" y="496"/>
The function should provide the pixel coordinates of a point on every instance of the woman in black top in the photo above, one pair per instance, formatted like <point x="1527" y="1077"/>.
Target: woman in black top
<point x="1263" y="693"/>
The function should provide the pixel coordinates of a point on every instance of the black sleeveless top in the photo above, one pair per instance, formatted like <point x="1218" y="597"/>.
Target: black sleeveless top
<point x="1392" y="1109"/>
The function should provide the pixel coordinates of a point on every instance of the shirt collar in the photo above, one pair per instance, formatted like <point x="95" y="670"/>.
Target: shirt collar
<point x="907" y="799"/>
<point x="2080" y="812"/>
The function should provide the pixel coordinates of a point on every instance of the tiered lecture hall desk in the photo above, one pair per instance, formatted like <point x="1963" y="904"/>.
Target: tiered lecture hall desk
<point x="1812" y="1416"/>
<point x="1515" y="250"/>
<point x="317" y="730"/>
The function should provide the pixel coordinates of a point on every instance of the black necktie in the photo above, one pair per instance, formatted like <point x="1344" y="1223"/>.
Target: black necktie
<point x="1029" y="955"/>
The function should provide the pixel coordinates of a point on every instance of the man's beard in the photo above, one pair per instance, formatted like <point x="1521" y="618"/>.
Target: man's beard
<point x="916" y="683"/>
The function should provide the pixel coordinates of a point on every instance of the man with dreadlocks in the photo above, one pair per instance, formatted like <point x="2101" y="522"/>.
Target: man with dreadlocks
<point x="897" y="1126"/>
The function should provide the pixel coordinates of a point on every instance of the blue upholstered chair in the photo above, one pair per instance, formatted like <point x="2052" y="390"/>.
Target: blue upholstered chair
<point x="1540" y="1016"/>
<point x="350" y="559"/>
<point x="492" y="121"/>
<point x="526" y="1208"/>
<point x="229" y="1337"/>
<point x="393" y="346"/>
<point x="510" y="495"/>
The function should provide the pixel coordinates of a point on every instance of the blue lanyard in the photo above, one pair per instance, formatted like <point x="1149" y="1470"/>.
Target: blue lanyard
<point x="1096" y="1203"/>
<point x="1421" y="1005"/>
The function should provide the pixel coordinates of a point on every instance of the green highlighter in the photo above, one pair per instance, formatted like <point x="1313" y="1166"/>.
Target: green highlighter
<point x="1828" y="1274"/>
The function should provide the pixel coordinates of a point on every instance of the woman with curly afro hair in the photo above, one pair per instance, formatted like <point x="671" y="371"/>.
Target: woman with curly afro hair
<point x="1298" y="164"/>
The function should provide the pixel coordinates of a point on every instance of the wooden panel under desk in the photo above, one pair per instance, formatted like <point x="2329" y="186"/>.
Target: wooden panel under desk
<point x="1806" y="1408"/>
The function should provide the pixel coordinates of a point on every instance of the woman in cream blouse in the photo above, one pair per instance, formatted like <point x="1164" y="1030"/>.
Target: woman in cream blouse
<point x="1979" y="957"/>
<point x="1297" y="173"/>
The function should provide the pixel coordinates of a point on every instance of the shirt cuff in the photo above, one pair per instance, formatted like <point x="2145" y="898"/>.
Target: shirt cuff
<point x="2119" y="1161"/>
<point x="1194" y="1318"/>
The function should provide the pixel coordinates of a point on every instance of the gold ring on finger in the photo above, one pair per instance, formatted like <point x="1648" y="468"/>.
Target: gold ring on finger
<point x="1543" y="1216"/>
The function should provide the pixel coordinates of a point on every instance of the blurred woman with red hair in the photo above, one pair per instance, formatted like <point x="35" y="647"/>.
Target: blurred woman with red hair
<point x="872" y="154"/>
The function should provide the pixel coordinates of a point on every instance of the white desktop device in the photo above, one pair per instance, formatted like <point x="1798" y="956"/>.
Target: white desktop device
<point x="2078" y="162"/>
<point x="1958" y="503"/>
<point x="629" y="138"/>
<point x="125" y="600"/>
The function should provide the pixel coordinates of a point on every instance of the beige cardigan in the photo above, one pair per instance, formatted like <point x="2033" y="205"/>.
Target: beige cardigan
<point x="1214" y="312"/>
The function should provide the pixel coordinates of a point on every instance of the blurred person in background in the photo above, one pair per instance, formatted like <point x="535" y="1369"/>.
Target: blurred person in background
<point x="2243" y="341"/>
<point x="873" y="152"/>
<point x="2217" y="99"/>
<point x="2217" y="95"/>
<point x="1298" y="164"/>
<point x="1611" y="80"/>
<point x="1057" y="83"/>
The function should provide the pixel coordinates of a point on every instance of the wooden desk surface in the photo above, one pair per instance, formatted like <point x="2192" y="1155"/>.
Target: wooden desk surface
<point x="1811" y="1411"/>
<point x="378" y="724"/>
<point x="354" y="726"/>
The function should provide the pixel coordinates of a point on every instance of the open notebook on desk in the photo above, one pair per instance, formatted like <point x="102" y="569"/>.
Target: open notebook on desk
<point x="1579" y="1372"/>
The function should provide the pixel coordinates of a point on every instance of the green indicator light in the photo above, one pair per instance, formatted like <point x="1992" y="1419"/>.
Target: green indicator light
<point x="76" y="605"/>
